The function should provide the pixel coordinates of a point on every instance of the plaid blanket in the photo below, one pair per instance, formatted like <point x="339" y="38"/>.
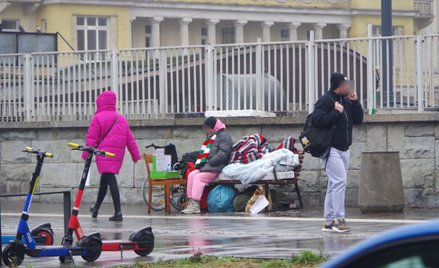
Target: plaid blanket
<point x="288" y="143"/>
<point x="248" y="149"/>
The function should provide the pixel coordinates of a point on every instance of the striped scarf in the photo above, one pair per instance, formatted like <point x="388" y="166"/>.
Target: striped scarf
<point x="205" y="150"/>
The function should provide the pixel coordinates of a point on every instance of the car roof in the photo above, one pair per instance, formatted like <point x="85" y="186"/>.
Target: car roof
<point x="399" y="234"/>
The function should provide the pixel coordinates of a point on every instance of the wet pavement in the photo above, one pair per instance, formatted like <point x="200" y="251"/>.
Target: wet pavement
<point x="276" y="235"/>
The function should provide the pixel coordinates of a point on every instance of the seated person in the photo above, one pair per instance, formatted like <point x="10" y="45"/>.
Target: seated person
<point x="213" y="157"/>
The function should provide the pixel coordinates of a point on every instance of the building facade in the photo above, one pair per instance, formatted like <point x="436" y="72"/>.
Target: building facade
<point x="117" y="24"/>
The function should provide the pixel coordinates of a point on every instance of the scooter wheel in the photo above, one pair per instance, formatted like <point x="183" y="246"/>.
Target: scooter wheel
<point x="46" y="235"/>
<point x="93" y="251"/>
<point x="146" y="241"/>
<point x="62" y="259"/>
<point x="12" y="256"/>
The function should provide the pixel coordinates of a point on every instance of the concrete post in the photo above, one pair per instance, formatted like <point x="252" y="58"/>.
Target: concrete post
<point x="381" y="188"/>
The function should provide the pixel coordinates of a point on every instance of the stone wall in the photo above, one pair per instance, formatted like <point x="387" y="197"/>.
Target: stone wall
<point x="415" y="136"/>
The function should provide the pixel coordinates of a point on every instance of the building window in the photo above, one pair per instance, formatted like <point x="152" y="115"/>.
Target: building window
<point x="148" y="35"/>
<point x="284" y="35"/>
<point x="10" y="25"/>
<point x="396" y="30"/>
<point x="229" y="35"/>
<point x="92" y="33"/>
<point x="204" y="35"/>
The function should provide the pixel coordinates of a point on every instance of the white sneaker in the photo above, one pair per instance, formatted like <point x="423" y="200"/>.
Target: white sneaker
<point x="192" y="208"/>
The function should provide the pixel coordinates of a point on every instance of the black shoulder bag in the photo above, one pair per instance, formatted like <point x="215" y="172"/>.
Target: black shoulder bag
<point x="315" y="140"/>
<point x="108" y="131"/>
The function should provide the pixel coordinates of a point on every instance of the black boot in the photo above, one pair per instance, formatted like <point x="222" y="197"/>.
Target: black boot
<point x="114" y="190"/>
<point x="103" y="185"/>
<point x="94" y="212"/>
<point x="116" y="217"/>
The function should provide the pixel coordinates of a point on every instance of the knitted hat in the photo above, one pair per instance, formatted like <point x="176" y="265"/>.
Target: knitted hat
<point x="336" y="80"/>
<point x="210" y="122"/>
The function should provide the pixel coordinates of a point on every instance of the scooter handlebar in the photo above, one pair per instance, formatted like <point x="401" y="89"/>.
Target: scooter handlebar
<point x="37" y="151"/>
<point x="90" y="149"/>
<point x="108" y="154"/>
<point x="74" y="145"/>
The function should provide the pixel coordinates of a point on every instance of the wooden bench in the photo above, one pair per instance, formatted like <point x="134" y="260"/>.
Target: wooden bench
<point x="267" y="183"/>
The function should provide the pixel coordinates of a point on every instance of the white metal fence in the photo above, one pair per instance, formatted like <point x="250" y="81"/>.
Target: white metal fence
<point x="276" y="77"/>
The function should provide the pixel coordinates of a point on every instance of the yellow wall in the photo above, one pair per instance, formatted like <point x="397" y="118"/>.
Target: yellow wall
<point x="61" y="18"/>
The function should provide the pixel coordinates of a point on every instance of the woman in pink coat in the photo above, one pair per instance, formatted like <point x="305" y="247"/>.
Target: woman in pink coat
<point x="110" y="132"/>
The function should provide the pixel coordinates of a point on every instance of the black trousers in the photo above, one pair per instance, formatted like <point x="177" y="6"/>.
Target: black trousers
<point x="109" y="180"/>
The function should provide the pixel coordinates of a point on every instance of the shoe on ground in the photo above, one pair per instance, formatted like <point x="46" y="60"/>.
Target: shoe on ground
<point x="337" y="227"/>
<point x="116" y="217"/>
<point x="94" y="212"/>
<point x="192" y="208"/>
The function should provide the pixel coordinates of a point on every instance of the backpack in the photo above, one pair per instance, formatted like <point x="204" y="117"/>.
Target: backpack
<point x="315" y="140"/>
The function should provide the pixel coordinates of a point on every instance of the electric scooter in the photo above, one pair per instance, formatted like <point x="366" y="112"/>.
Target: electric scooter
<point x="141" y="242"/>
<point x="43" y="234"/>
<point x="88" y="247"/>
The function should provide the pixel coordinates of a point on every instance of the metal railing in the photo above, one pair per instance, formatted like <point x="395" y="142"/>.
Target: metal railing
<point x="274" y="77"/>
<point x="424" y="7"/>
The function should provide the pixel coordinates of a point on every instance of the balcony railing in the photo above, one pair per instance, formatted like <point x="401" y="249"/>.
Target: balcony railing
<point x="424" y="7"/>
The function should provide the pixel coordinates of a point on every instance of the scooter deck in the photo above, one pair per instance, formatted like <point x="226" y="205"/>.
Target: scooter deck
<point x="53" y="251"/>
<point x="118" y="245"/>
<point x="6" y="239"/>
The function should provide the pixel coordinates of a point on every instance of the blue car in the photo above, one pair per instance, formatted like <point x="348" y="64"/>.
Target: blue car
<point x="414" y="246"/>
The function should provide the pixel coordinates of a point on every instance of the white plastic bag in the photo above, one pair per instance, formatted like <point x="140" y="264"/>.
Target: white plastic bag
<point x="259" y="205"/>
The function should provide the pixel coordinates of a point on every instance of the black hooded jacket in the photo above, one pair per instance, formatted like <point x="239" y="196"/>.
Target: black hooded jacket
<point x="325" y="116"/>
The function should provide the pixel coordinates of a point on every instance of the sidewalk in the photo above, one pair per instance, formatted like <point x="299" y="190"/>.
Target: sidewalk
<point x="278" y="235"/>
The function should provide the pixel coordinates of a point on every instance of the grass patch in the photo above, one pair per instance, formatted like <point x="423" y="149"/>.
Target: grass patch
<point x="305" y="259"/>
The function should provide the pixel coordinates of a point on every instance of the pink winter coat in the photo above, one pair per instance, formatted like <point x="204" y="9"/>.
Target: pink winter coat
<point x="117" y="139"/>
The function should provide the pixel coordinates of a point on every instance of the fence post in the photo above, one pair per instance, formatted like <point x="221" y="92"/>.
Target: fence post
<point x="67" y="210"/>
<point x="259" y="77"/>
<point x="209" y="82"/>
<point x="163" y="81"/>
<point x="115" y="77"/>
<point x="370" y="72"/>
<point x="28" y="83"/>
<point x="311" y="72"/>
<point x="420" y="73"/>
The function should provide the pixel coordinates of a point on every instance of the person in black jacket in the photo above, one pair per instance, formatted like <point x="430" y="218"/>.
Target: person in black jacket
<point x="340" y="108"/>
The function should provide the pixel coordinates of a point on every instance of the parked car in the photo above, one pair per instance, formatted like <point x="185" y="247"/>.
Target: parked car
<point x="414" y="246"/>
